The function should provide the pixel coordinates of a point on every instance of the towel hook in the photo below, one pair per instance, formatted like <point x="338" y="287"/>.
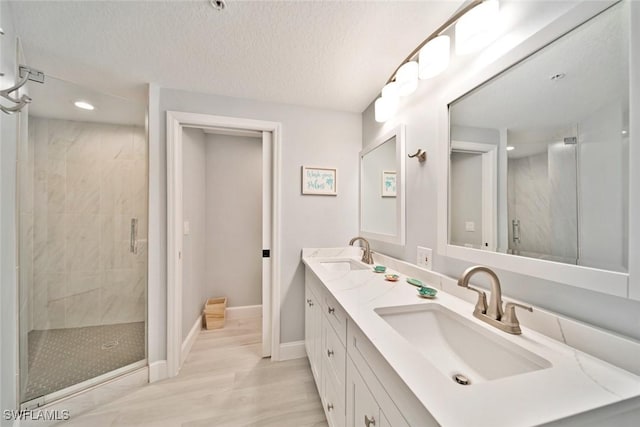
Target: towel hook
<point x="25" y="74"/>
<point x="421" y="155"/>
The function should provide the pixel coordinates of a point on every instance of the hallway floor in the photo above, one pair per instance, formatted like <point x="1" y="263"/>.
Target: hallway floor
<point x="223" y="382"/>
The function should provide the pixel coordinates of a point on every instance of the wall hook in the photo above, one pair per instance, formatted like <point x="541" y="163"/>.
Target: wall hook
<point x="421" y="155"/>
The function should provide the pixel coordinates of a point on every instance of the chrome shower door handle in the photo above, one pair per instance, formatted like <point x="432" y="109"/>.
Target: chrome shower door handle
<point x="515" y="230"/>
<point x="133" y="243"/>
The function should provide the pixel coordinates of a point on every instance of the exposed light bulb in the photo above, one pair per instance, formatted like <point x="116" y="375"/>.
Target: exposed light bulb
<point x="434" y="57"/>
<point x="477" y="28"/>
<point x="510" y="148"/>
<point x="407" y="78"/>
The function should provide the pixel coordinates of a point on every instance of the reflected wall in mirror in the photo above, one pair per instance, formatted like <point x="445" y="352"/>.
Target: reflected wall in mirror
<point x="382" y="188"/>
<point x="559" y="122"/>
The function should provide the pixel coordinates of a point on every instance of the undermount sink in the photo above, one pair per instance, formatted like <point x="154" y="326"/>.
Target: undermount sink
<point x="344" y="265"/>
<point x="457" y="347"/>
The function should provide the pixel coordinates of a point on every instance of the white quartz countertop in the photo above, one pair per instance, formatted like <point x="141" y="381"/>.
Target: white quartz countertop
<point x="576" y="382"/>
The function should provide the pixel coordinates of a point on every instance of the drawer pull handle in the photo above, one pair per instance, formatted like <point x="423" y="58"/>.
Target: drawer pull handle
<point x="329" y="406"/>
<point x="329" y="353"/>
<point x="310" y="302"/>
<point x="331" y="310"/>
<point x="369" y="421"/>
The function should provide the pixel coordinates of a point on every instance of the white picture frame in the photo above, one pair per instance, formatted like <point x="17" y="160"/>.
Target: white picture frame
<point x="389" y="184"/>
<point x="319" y="181"/>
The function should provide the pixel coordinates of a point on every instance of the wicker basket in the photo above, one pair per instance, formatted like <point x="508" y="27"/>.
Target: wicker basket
<point x="214" y="313"/>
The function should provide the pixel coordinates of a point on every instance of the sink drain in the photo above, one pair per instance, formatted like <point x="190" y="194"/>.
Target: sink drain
<point x="461" y="379"/>
<point x="110" y="344"/>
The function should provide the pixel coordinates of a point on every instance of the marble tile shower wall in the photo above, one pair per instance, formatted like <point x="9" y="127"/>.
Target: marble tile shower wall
<point x="89" y="181"/>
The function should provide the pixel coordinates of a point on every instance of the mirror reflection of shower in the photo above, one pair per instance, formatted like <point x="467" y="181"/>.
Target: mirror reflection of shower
<point x="82" y="176"/>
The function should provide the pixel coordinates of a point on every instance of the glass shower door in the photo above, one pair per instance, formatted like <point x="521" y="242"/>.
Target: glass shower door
<point x="83" y="258"/>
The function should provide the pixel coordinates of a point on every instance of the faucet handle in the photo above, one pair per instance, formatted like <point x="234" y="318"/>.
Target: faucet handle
<point x="510" y="318"/>
<point x="481" y="305"/>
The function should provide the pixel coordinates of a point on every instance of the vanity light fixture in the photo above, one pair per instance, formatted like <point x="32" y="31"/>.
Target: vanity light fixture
<point x="407" y="78"/>
<point x="478" y="28"/>
<point x="510" y="148"/>
<point x="84" y="105"/>
<point x="434" y="57"/>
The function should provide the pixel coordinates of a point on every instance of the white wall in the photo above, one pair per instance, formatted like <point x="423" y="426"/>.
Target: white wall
<point x="422" y="112"/>
<point x="234" y="219"/>
<point x="8" y="290"/>
<point x="310" y="136"/>
<point x="195" y="243"/>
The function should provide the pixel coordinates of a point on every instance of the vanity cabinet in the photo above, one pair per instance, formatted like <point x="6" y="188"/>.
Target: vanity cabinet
<point x="351" y="396"/>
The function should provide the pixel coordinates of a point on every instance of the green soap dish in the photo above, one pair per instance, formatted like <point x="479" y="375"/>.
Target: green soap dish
<point x="414" y="282"/>
<point x="426" y="292"/>
<point x="380" y="268"/>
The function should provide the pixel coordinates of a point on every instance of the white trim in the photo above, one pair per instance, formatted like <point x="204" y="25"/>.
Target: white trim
<point x="292" y="350"/>
<point x="158" y="371"/>
<point x="244" y="312"/>
<point x="191" y="339"/>
<point x="607" y="282"/>
<point x="271" y="313"/>
<point x="400" y="237"/>
<point x="267" y="227"/>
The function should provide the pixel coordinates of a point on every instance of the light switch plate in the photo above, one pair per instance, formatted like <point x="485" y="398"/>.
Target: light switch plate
<point x="470" y="226"/>
<point x="185" y="228"/>
<point x="425" y="258"/>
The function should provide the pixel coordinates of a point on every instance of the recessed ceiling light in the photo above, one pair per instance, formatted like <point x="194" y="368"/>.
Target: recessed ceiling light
<point x="510" y="148"/>
<point x="558" y="76"/>
<point x="84" y="105"/>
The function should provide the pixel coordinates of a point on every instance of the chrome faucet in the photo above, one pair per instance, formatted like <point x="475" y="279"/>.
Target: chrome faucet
<point x="493" y="313"/>
<point x="366" y="254"/>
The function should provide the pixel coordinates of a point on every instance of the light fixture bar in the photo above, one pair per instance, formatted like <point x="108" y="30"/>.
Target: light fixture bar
<point x="436" y="33"/>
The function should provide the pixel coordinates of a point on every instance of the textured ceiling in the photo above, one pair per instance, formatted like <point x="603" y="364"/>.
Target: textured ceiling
<point x="333" y="55"/>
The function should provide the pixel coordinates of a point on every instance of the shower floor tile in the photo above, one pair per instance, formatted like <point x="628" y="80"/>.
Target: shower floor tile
<point x="59" y="358"/>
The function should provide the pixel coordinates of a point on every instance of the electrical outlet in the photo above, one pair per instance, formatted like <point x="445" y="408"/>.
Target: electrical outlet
<point x="424" y="257"/>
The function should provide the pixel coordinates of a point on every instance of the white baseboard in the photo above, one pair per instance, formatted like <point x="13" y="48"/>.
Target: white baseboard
<point x="292" y="350"/>
<point x="243" y="312"/>
<point x="190" y="340"/>
<point x="158" y="371"/>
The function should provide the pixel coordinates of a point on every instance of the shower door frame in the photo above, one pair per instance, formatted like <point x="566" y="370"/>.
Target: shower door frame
<point x="176" y="121"/>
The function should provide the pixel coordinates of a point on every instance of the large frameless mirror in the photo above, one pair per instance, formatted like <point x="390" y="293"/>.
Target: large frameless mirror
<point x="538" y="159"/>
<point x="382" y="188"/>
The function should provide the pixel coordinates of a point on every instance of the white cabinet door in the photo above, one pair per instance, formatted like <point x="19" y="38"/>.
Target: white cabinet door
<point x="362" y="408"/>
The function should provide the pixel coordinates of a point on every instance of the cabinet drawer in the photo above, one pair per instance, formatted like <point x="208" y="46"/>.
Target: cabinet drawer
<point x="334" y="353"/>
<point x="334" y="402"/>
<point x="337" y="317"/>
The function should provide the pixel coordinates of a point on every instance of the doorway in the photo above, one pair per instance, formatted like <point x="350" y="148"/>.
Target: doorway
<point x="219" y="130"/>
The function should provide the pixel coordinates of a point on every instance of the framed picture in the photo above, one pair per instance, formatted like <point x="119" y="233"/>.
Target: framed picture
<point x="388" y="183"/>
<point x="320" y="181"/>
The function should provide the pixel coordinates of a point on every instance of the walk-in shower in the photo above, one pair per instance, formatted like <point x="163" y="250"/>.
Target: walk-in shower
<point x="82" y="190"/>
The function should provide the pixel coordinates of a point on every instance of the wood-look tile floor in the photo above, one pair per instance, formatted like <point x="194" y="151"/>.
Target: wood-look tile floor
<point x="223" y="382"/>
